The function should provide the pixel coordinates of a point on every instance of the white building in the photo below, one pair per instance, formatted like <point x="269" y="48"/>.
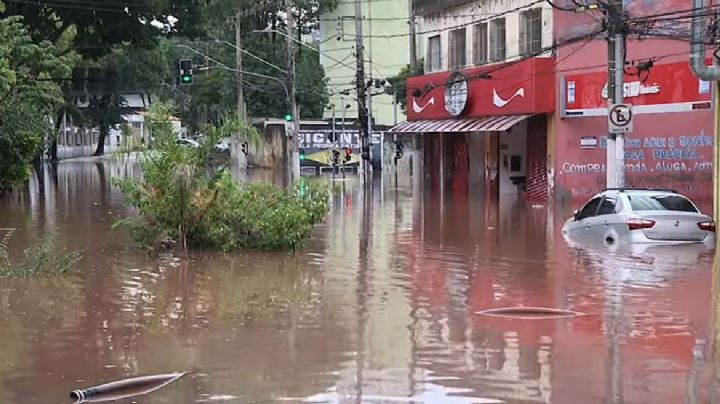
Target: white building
<point x="79" y="141"/>
<point x="386" y="53"/>
<point x="474" y="33"/>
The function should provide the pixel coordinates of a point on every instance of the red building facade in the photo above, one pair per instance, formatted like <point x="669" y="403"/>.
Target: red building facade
<point x="486" y="127"/>
<point x="671" y="145"/>
<point x="536" y="128"/>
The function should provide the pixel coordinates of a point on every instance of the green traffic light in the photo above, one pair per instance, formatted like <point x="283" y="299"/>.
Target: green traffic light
<point x="186" y="78"/>
<point x="302" y="157"/>
<point x="288" y="117"/>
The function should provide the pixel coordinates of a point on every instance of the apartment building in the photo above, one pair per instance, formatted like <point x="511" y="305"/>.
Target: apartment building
<point x="386" y="52"/>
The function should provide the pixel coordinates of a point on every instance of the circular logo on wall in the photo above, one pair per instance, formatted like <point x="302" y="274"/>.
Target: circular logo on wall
<point x="456" y="94"/>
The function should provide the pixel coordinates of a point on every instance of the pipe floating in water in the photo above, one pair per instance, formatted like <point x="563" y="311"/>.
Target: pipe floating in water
<point x="124" y="388"/>
<point x="530" y="313"/>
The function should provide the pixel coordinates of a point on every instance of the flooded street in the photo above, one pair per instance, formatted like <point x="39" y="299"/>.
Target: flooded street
<point x="381" y="306"/>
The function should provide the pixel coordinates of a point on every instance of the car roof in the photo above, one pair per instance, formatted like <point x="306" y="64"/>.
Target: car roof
<point x="615" y="192"/>
<point x="630" y="189"/>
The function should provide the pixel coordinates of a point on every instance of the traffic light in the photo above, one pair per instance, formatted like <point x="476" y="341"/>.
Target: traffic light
<point x="186" y="72"/>
<point x="245" y="149"/>
<point x="335" y="157"/>
<point x="302" y="155"/>
<point x="288" y="118"/>
<point x="348" y="154"/>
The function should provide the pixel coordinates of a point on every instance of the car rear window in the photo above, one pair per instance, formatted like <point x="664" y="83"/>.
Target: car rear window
<point x="661" y="202"/>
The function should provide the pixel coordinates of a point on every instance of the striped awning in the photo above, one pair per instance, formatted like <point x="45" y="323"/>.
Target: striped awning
<point x="486" y="124"/>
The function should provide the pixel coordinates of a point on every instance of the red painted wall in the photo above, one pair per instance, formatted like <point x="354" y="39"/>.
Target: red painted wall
<point x="536" y="188"/>
<point x="666" y="150"/>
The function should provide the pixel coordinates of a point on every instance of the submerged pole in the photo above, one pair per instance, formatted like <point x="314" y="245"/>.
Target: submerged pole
<point x="124" y="388"/>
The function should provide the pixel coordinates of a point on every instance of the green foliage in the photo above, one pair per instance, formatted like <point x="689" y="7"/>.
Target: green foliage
<point x="399" y="82"/>
<point x="214" y="91"/>
<point x="261" y="216"/>
<point x="106" y="23"/>
<point x="25" y="100"/>
<point x="42" y="258"/>
<point x="182" y="201"/>
<point x="270" y="13"/>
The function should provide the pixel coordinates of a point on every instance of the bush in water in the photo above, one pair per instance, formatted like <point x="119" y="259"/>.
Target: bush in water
<point x="181" y="200"/>
<point x="43" y="257"/>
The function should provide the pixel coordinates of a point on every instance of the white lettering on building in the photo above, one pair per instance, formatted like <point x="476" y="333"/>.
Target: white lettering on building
<point x="634" y="89"/>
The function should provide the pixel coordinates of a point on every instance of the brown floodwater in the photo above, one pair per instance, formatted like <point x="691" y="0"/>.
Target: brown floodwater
<point x="384" y="305"/>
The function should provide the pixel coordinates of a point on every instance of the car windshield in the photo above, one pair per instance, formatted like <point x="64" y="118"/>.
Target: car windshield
<point x="661" y="202"/>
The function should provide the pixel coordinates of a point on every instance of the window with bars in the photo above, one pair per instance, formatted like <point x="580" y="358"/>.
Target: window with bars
<point x="497" y="40"/>
<point x="480" y="44"/>
<point x="458" y="48"/>
<point x="530" y="32"/>
<point x="434" y="54"/>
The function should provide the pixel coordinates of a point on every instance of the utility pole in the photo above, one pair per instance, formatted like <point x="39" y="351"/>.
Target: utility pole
<point x="362" y="92"/>
<point x="615" y="179"/>
<point x="293" y="139"/>
<point x="413" y="38"/>
<point x="615" y="170"/>
<point x="369" y="115"/>
<point x="238" y="66"/>
<point x="241" y="111"/>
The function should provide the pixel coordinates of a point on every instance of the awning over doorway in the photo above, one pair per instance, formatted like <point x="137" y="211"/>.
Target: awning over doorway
<point x="485" y="124"/>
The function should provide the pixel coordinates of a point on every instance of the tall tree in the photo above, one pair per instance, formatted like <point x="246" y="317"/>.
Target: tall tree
<point x="126" y="69"/>
<point x="214" y="91"/>
<point x="101" y="25"/>
<point x="27" y="96"/>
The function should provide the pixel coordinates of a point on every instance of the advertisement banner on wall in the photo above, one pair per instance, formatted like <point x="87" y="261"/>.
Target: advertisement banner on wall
<point x="318" y="145"/>
<point x="664" y="88"/>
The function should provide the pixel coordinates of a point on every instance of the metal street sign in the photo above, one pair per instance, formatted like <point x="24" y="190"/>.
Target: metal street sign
<point x="620" y="118"/>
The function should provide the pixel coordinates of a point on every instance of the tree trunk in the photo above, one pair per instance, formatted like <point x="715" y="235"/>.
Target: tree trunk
<point x="53" y="151"/>
<point x="54" y="145"/>
<point x="104" y="130"/>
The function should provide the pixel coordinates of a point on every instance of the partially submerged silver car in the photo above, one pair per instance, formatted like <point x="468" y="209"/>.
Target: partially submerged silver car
<point x="631" y="215"/>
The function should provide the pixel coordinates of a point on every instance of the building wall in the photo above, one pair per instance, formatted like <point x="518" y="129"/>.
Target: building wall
<point x="75" y="141"/>
<point x="387" y="51"/>
<point x="580" y="172"/>
<point x="443" y="21"/>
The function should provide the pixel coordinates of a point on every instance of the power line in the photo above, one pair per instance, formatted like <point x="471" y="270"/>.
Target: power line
<point x="454" y="27"/>
<point x="484" y="74"/>
<point x="674" y="12"/>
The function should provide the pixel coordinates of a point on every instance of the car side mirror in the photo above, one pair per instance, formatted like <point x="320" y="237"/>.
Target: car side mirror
<point x="576" y="215"/>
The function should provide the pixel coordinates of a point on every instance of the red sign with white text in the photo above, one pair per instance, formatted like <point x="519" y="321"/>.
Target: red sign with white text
<point x="671" y="83"/>
<point x="526" y="87"/>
